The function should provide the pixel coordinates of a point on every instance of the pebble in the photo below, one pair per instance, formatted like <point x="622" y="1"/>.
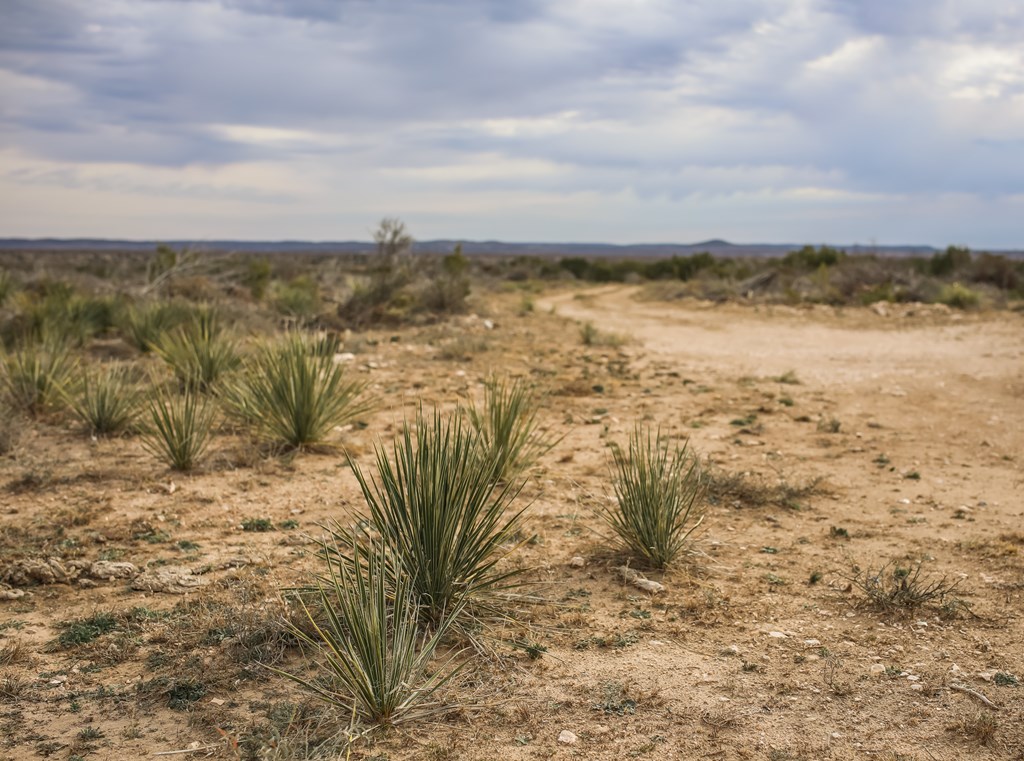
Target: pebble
<point x="777" y="635"/>
<point x="567" y="738"/>
<point x="577" y="562"/>
<point x="877" y="668"/>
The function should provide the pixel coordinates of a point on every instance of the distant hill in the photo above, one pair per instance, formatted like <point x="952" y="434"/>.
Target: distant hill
<point x="717" y="247"/>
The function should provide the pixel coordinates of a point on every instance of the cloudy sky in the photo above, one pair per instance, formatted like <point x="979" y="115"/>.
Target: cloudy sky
<point x="523" y="120"/>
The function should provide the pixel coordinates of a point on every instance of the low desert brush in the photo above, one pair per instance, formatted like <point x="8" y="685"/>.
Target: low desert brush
<point x="658" y="490"/>
<point x="895" y="588"/>
<point x="444" y="523"/>
<point x="178" y="425"/>
<point x="374" y="657"/>
<point x="107" y="401"/>
<point x="293" y="397"/>
<point x="507" y="428"/>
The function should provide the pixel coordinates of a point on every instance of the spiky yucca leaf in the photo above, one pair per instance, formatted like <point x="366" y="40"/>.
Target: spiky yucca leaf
<point x="293" y="397"/>
<point x="106" y="401"/>
<point x="658" y="490"/>
<point x="197" y="352"/>
<point x="374" y="657"/>
<point x="507" y="428"/>
<point x="178" y="426"/>
<point x="36" y="375"/>
<point x="144" y="326"/>
<point x="444" y="523"/>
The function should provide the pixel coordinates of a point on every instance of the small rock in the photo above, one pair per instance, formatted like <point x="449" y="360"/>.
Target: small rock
<point x="877" y="668"/>
<point x="812" y="642"/>
<point x="602" y="729"/>
<point x="566" y="737"/>
<point x="345" y="356"/>
<point x="11" y="594"/>
<point x="577" y="562"/>
<point x="916" y="686"/>
<point x="170" y="579"/>
<point x="217" y="701"/>
<point x="489" y="324"/>
<point x="105" y="569"/>
<point x="777" y="635"/>
<point x="731" y="650"/>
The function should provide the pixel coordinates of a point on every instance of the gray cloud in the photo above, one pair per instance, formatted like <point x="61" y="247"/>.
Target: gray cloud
<point x="657" y="99"/>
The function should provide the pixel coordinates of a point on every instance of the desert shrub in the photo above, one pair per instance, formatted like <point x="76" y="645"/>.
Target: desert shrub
<point x="198" y="352"/>
<point x="507" y="429"/>
<point x="810" y="258"/>
<point x="895" y="588"/>
<point x="999" y="271"/>
<point x="444" y="523"/>
<point x="299" y="298"/>
<point x="658" y="490"/>
<point x="107" y="401"/>
<point x="256" y="277"/>
<point x="6" y="286"/>
<point x="144" y="326"/>
<point x="10" y="428"/>
<point x="959" y="296"/>
<point x="447" y="290"/>
<point x="36" y="375"/>
<point x="953" y="259"/>
<point x="178" y="425"/>
<point x="375" y="660"/>
<point x="293" y="397"/>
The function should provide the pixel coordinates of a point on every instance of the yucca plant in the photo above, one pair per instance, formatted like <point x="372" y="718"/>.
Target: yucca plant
<point x="198" y="353"/>
<point x="293" y="397"/>
<point x="658" y="491"/>
<point x="374" y="656"/>
<point x="144" y="326"/>
<point x="444" y="523"/>
<point x="6" y="286"/>
<point x="106" y="401"/>
<point x="507" y="429"/>
<point x="178" y="425"/>
<point x="35" y="375"/>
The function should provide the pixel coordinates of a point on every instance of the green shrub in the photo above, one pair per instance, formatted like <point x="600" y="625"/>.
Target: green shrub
<point x="959" y="296"/>
<point x="299" y="298"/>
<point x="197" y="352"/>
<point x="293" y="397"/>
<point x="6" y="286"/>
<point x="658" y="492"/>
<point x="447" y="290"/>
<point x="178" y="426"/>
<point x="444" y="523"/>
<point x="106" y="401"/>
<point x="375" y="661"/>
<point x="953" y="259"/>
<point x="507" y="428"/>
<point x="36" y="375"/>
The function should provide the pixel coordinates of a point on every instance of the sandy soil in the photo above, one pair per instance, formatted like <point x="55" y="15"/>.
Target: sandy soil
<point x="740" y="657"/>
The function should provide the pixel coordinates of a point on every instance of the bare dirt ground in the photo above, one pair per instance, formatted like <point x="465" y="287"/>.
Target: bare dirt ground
<point x="913" y="420"/>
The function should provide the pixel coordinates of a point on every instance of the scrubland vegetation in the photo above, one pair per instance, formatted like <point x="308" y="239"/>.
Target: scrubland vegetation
<point x="478" y="544"/>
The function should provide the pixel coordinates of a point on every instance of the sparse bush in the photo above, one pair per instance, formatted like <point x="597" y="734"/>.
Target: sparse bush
<point x="36" y="375"/>
<point x="658" y="491"/>
<point x="293" y="397"/>
<point x="6" y="286"/>
<point x="507" y="428"/>
<point x="447" y="291"/>
<point x="897" y="589"/>
<point x="107" y="401"/>
<point x="951" y="260"/>
<point x="299" y="298"/>
<point x="444" y="523"/>
<point x="197" y="352"/>
<point x="178" y="426"/>
<point x="375" y="659"/>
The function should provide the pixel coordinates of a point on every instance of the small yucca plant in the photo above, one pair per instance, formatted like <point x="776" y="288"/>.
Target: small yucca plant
<point x="35" y="375"/>
<point x="144" y="326"/>
<point x="445" y="525"/>
<point x="507" y="430"/>
<point x="107" y="401"/>
<point x="197" y="352"/>
<point x="178" y="426"/>
<point x="374" y="656"/>
<point x="292" y="397"/>
<point x="658" y="491"/>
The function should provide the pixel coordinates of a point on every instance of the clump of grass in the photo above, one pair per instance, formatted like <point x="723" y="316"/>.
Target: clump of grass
<point x="292" y="397"/>
<point x="444" y="523"/>
<point x="959" y="296"/>
<point x="106" y="401"/>
<point x="84" y="630"/>
<point x="10" y="428"/>
<point x="178" y="426"/>
<point x="258" y="525"/>
<point x="658" y="491"/>
<point x="591" y="336"/>
<point x="375" y="658"/>
<point x="36" y="375"/>
<point x="198" y="353"/>
<point x="507" y="428"/>
<point x="6" y="286"/>
<point x="894" y="588"/>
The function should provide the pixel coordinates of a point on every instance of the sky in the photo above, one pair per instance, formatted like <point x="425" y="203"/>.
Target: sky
<point x="618" y="121"/>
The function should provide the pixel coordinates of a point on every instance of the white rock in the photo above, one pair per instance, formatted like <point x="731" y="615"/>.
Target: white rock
<point x="877" y="668"/>
<point x="777" y="635"/>
<point x="489" y="324"/>
<point x="577" y="562"/>
<point x="812" y="642"/>
<point x="567" y="738"/>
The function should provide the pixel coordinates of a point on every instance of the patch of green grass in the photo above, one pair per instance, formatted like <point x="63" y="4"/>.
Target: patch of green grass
<point x="788" y="377"/>
<point x="84" y="630"/>
<point x="198" y="352"/>
<point x="257" y="524"/>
